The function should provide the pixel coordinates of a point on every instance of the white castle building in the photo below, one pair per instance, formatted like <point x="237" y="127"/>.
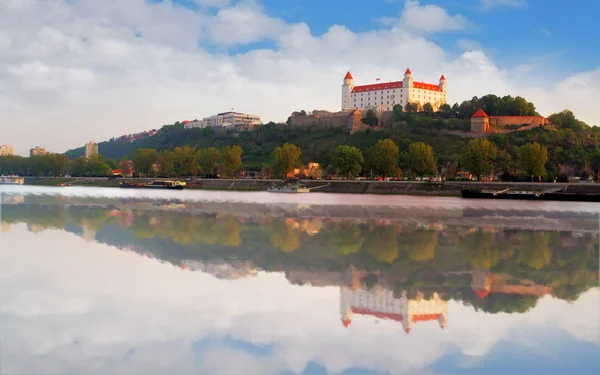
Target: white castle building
<point x="379" y="302"/>
<point x="383" y="96"/>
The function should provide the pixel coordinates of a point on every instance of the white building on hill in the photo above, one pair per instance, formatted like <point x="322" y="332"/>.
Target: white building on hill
<point x="383" y="96"/>
<point x="7" y="150"/>
<point x="225" y="119"/>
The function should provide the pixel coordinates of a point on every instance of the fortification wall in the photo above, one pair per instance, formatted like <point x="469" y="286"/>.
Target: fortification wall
<point x="518" y="120"/>
<point x="330" y="121"/>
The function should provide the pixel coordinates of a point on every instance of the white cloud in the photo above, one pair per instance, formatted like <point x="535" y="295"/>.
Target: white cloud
<point x="83" y="307"/>
<point x="429" y="18"/>
<point x="488" y="4"/>
<point x="90" y="70"/>
<point x="243" y="23"/>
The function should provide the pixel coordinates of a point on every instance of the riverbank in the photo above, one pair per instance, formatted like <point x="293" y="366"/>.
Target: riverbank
<point x="450" y="188"/>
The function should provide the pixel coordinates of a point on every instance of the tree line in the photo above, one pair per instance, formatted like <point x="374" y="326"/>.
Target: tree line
<point x="384" y="159"/>
<point x="480" y="157"/>
<point x="186" y="161"/>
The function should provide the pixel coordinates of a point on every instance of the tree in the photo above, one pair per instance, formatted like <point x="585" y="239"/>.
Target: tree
<point x="144" y="159"/>
<point x="208" y="160"/>
<point x="398" y="112"/>
<point x="166" y="164"/>
<point x="428" y="109"/>
<point x="566" y="120"/>
<point x="446" y="109"/>
<point x="125" y="167"/>
<point x="347" y="160"/>
<point x="111" y="163"/>
<point x="78" y="167"/>
<point x="409" y="107"/>
<point x="533" y="158"/>
<point x="479" y="157"/>
<point x="185" y="161"/>
<point x="370" y="118"/>
<point x="384" y="157"/>
<point x="285" y="159"/>
<point x="232" y="160"/>
<point x="421" y="159"/>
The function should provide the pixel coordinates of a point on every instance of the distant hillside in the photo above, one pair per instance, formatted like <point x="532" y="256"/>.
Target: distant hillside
<point x="574" y="147"/>
<point x="317" y="144"/>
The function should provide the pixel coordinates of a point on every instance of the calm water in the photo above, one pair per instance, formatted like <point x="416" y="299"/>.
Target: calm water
<point x="123" y="282"/>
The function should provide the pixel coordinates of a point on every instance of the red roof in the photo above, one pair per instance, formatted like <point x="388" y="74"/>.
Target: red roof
<point x="480" y="113"/>
<point x="407" y="71"/>
<point x="396" y="317"/>
<point x="426" y="86"/>
<point x="482" y="293"/>
<point x="442" y="78"/>
<point x="348" y="76"/>
<point x="424" y="317"/>
<point x="378" y="86"/>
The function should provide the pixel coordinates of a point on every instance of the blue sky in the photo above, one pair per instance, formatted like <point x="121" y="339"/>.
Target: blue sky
<point x="128" y="66"/>
<point x="558" y="37"/>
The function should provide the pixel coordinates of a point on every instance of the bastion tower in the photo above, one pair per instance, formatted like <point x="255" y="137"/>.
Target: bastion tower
<point x="347" y="88"/>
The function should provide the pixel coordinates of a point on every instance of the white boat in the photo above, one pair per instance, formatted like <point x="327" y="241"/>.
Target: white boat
<point x="11" y="180"/>
<point x="288" y="189"/>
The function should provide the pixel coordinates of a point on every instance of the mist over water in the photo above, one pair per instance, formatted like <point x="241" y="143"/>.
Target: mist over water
<point x="120" y="281"/>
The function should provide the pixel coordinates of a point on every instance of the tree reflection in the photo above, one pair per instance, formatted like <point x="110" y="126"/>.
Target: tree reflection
<point x="382" y="243"/>
<point x="480" y="249"/>
<point x="533" y="250"/>
<point x="348" y="238"/>
<point x="228" y="228"/>
<point x="284" y="237"/>
<point x="524" y="265"/>
<point x="422" y="245"/>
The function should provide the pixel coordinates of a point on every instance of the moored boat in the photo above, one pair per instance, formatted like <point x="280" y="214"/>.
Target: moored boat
<point x="11" y="180"/>
<point x="288" y="189"/>
<point x="552" y="195"/>
<point x="156" y="184"/>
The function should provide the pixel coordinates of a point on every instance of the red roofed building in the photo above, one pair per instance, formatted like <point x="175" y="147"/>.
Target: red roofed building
<point x="383" y="96"/>
<point x="482" y="123"/>
<point x="380" y="303"/>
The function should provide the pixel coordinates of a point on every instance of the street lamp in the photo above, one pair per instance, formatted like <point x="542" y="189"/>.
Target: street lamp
<point x="531" y="178"/>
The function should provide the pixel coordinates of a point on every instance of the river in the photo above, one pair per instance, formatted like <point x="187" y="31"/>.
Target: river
<point x="100" y="280"/>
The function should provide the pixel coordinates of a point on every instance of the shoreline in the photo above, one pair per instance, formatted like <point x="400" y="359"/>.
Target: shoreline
<point x="447" y="189"/>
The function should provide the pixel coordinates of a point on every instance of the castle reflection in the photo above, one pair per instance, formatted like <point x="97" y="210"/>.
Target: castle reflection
<point x="403" y="266"/>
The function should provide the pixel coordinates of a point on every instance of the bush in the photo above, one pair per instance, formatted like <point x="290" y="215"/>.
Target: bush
<point x="466" y="126"/>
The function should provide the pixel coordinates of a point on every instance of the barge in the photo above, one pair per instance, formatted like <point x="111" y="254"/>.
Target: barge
<point x="156" y="184"/>
<point x="567" y="194"/>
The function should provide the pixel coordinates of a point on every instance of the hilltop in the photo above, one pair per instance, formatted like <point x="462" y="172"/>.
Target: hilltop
<point x="574" y="147"/>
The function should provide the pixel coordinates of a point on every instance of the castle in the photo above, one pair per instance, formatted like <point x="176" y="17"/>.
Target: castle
<point x="383" y="96"/>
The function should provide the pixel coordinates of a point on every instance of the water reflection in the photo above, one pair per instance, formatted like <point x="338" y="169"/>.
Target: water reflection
<point x="412" y="271"/>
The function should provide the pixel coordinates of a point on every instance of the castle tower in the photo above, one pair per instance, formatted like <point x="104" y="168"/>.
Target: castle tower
<point x="346" y="91"/>
<point x="407" y="82"/>
<point x="442" y="84"/>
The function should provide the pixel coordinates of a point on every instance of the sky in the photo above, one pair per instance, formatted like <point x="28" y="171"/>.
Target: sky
<point x="74" y="71"/>
<point x="86" y="307"/>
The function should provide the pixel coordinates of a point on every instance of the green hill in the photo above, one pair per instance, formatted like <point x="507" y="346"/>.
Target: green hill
<point x="574" y="147"/>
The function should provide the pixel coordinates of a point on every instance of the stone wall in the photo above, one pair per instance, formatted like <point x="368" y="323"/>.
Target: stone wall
<point x="480" y="124"/>
<point x="346" y="120"/>
<point x="499" y="121"/>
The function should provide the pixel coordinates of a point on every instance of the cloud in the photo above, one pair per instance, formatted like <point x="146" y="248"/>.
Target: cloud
<point x="429" y="18"/>
<point x="489" y="4"/>
<point x="243" y="23"/>
<point x="544" y="31"/>
<point x="88" y="70"/>
<point x="150" y="317"/>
